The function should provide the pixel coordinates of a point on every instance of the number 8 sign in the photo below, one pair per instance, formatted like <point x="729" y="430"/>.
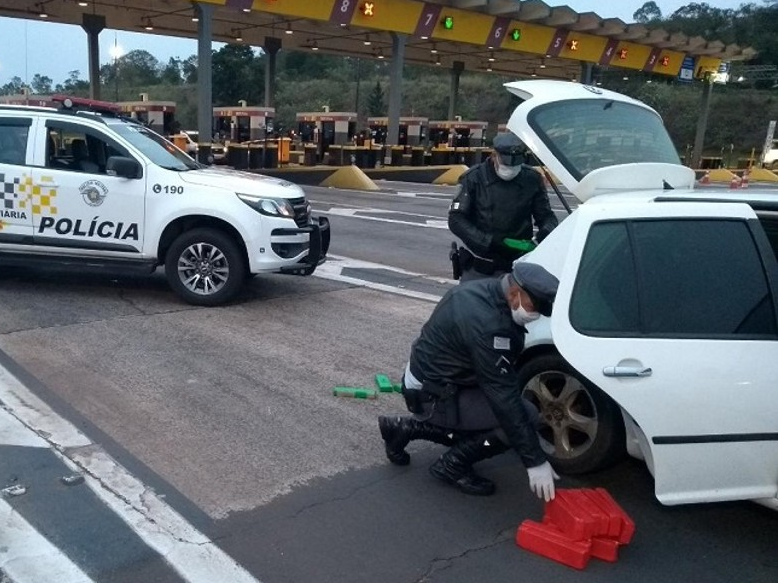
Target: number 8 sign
<point x="343" y="11"/>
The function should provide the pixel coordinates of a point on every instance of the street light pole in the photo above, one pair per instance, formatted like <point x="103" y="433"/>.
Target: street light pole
<point x="116" y="52"/>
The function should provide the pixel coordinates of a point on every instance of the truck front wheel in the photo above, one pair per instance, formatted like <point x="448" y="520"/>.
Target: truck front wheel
<point x="205" y="267"/>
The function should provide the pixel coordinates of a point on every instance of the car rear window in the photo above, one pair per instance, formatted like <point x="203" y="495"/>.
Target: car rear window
<point x="703" y="278"/>
<point x="770" y="225"/>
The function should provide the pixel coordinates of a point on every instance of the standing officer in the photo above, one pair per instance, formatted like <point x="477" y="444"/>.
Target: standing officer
<point x="461" y="384"/>
<point x="498" y="200"/>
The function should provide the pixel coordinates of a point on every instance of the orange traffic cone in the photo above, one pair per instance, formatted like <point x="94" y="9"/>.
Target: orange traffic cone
<point x="705" y="178"/>
<point x="744" y="180"/>
<point x="734" y="183"/>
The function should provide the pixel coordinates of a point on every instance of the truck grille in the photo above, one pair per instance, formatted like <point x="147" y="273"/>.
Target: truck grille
<point x="302" y="211"/>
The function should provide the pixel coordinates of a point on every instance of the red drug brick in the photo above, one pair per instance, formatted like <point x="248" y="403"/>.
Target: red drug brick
<point x="605" y="549"/>
<point x="548" y="541"/>
<point x="627" y="524"/>
<point x="596" y="520"/>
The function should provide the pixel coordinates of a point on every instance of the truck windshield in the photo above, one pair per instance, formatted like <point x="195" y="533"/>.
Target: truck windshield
<point x="588" y="134"/>
<point x="159" y="150"/>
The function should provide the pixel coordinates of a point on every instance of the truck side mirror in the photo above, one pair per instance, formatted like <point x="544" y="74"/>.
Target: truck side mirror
<point x="123" y="167"/>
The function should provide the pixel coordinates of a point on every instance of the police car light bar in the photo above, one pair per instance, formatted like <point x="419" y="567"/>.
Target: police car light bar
<point x="81" y="103"/>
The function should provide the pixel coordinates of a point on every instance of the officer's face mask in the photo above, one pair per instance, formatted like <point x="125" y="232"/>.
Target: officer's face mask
<point x="508" y="165"/>
<point x="521" y="316"/>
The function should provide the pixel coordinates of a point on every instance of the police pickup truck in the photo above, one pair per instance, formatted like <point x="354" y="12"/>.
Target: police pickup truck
<point x="83" y="186"/>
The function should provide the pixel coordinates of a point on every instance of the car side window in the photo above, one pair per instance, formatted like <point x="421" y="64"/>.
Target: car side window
<point x="14" y="133"/>
<point x="770" y="226"/>
<point x="702" y="278"/>
<point x="78" y="149"/>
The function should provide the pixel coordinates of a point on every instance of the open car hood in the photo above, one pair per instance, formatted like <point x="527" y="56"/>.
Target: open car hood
<point x="596" y="141"/>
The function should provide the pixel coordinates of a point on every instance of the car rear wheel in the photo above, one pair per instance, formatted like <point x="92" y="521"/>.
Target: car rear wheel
<point x="581" y="428"/>
<point x="205" y="267"/>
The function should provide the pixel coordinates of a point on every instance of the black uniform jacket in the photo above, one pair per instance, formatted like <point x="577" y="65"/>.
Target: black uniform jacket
<point x="488" y="209"/>
<point x="471" y="340"/>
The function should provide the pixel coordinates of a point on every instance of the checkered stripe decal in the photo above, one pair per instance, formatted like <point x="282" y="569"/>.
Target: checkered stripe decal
<point x="9" y="191"/>
<point x="37" y="198"/>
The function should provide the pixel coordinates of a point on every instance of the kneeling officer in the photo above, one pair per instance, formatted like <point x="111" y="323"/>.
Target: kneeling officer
<point x="461" y="384"/>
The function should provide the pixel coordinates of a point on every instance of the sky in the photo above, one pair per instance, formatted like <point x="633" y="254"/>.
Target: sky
<point x="65" y="49"/>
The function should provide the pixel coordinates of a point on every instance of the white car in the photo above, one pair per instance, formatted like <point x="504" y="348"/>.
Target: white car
<point x="771" y="157"/>
<point x="664" y="339"/>
<point x="82" y="186"/>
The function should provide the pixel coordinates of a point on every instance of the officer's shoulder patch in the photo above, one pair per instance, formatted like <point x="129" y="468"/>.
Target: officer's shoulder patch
<point x="502" y="343"/>
<point x="455" y="205"/>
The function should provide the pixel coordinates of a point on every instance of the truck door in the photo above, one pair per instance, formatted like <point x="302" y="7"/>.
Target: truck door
<point x="86" y="208"/>
<point x="15" y="182"/>
<point x="673" y="315"/>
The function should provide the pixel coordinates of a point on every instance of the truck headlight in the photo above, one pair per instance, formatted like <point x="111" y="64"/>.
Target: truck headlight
<point x="272" y="207"/>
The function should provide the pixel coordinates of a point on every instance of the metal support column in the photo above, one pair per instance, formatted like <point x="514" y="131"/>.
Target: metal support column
<point x="702" y="122"/>
<point x="586" y="73"/>
<point x="453" y="98"/>
<point x="395" y="92"/>
<point x="271" y="47"/>
<point x="204" y="80"/>
<point x="93" y="24"/>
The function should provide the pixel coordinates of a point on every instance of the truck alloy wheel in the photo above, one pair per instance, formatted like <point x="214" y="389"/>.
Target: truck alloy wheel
<point x="205" y="267"/>
<point x="581" y="428"/>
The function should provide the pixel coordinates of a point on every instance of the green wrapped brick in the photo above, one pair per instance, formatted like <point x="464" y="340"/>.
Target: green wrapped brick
<point x="355" y="392"/>
<point x="398" y="388"/>
<point x="525" y="245"/>
<point x="383" y="383"/>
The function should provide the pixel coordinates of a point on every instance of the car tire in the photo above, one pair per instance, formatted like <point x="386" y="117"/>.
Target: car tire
<point x="581" y="428"/>
<point x="205" y="267"/>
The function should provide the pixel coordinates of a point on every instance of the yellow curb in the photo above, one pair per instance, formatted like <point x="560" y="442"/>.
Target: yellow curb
<point x="350" y="178"/>
<point x="451" y="176"/>
<point x="721" y="175"/>
<point x="762" y="175"/>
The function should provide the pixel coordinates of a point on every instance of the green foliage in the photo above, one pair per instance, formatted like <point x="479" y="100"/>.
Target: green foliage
<point x="238" y="74"/>
<point x="376" y="104"/>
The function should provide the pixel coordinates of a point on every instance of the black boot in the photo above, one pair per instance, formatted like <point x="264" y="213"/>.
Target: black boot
<point x="455" y="467"/>
<point x="398" y="431"/>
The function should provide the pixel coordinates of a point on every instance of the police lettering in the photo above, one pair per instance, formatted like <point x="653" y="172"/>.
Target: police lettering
<point x="4" y="214"/>
<point x="93" y="228"/>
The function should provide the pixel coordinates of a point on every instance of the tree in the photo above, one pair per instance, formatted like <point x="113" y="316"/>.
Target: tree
<point x="189" y="69"/>
<point x="171" y="73"/>
<point x="13" y="87"/>
<point x="376" y="104"/>
<point x="74" y="85"/>
<point x="237" y="74"/>
<point x="41" y="84"/>
<point x="648" y="12"/>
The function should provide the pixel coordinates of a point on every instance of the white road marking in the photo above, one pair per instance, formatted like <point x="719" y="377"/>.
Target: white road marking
<point x="335" y="265"/>
<point x="195" y="557"/>
<point x="28" y="557"/>
<point x="434" y="223"/>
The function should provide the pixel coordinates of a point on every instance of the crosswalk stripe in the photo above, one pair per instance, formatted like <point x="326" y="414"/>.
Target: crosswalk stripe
<point x="28" y="557"/>
<point x="189" y="552"/>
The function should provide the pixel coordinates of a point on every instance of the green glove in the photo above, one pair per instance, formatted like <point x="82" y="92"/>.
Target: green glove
<point x="524" y="245"/>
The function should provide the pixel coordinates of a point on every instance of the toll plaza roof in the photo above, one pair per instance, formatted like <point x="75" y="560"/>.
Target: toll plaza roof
<point x="509" y="37"/>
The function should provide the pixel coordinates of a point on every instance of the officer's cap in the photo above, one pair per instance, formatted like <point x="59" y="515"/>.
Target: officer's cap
<point x="510" y="148"/>
<point x="539" y="284"/>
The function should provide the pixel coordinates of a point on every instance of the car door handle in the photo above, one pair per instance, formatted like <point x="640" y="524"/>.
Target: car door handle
<point x="626" y="371"/>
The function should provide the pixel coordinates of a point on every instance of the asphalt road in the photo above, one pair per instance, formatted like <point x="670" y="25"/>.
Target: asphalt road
<point x="228" y="414"/>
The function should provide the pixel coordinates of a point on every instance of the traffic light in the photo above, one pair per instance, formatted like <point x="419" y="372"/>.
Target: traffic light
<point x="516" y="34"/>
<point x="448" y="22"/>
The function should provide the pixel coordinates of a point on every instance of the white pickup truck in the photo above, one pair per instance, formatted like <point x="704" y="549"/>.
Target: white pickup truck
<point x="771" y="157"/>
<point x="83" y="186"/>
<point x="663" y="341"/>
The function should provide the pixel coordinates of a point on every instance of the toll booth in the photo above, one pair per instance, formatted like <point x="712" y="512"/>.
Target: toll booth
<point x="458" y="134"/>
<point x="326" y="128"/>
<point x="243" y="124"/>
<point x="156" y="115"/>
<point x="413" y="130"/>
